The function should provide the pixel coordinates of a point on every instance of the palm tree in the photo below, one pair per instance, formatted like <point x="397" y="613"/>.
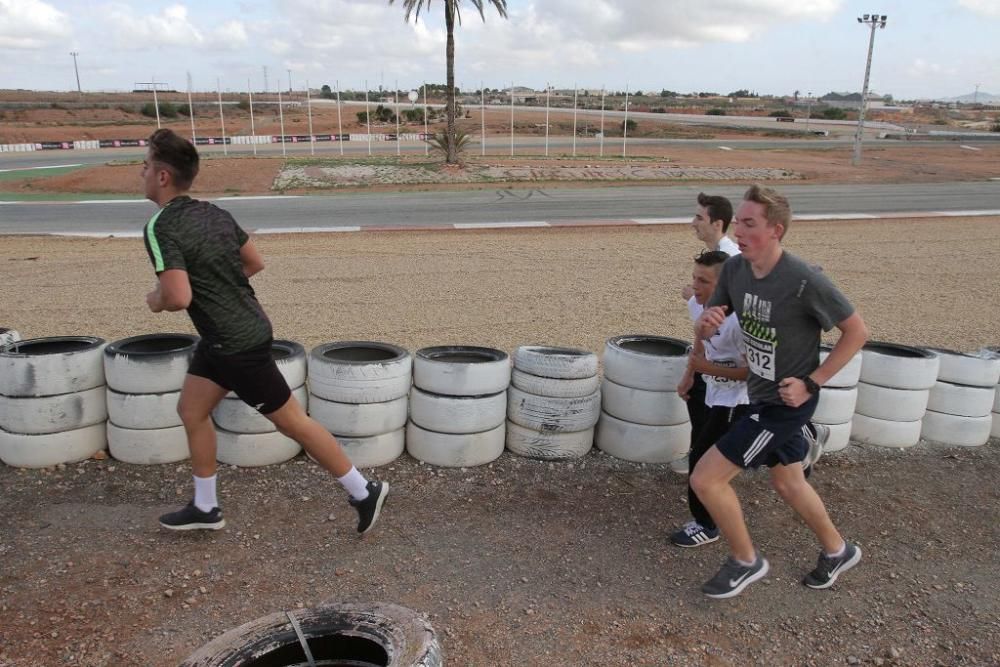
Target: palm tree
<point x="451" y="12"/>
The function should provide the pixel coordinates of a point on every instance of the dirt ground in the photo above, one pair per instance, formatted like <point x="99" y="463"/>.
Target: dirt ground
<point x="519" y="562"/>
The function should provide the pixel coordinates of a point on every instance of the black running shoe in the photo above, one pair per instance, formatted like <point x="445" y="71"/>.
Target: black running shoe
<point x="369" y="508"/>
<point x="192" y="518"/>
<point x="829" y="568"/>
<point x="693" y="534"/>
<point x="734" y="577"/>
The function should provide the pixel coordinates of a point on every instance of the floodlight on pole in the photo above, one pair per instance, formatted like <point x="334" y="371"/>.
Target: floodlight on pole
<point x="77" y="71"/>
<point x="873" y="21"/>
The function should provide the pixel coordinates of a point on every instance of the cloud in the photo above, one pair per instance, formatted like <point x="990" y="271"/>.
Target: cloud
<point x="172" y="27"/>
<point x="989" y="8"/>
<point x="921" y="69"/>
<point x="31" y="24"/>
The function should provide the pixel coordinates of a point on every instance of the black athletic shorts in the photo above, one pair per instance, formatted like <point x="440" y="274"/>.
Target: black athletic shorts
<point x="768" y="435"/>
<point x="251" y="374"/>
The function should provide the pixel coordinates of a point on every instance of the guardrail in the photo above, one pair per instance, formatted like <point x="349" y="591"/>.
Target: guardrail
<point x="209" y="141"/>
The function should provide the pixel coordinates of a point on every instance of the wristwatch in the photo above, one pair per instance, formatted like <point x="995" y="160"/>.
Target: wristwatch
<point x="811" y="385"/>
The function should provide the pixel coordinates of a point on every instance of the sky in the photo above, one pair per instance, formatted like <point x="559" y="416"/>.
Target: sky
<point x="929" y="48"/>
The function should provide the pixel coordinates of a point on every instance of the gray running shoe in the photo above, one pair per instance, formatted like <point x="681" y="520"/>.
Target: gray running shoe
<point x="734" y="577"/>
<point x="828" y="568"/>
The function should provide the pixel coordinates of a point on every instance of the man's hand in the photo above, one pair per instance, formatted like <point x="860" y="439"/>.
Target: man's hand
<point x="687" y="292"/>
<point x="793" y="392"/>
<point x="684" y="386"/>
<point x="710" y="321"/>
<point x="155" y="300"/>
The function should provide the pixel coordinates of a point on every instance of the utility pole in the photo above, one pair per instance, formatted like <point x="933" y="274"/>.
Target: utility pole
<point x="77" y="70"/>
<point x="809" y="110"/>
<point x="975" y="96"/>
<point x="289" y="81"/>
<point x="265" y="79"/>
<point x="873" y="21"/>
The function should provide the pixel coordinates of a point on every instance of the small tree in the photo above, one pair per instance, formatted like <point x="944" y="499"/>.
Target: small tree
<point x="629" y="125"/>
<point x="326" y="92"/>
<point x="834" y="113"/>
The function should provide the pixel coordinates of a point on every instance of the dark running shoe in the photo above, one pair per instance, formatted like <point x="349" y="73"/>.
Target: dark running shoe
<point x="369" y="508"/>
<point x="693" y="534"/>
<point x="192" y="518"/>
<point x="829" y="568"/>
<point x="734" y="577"/>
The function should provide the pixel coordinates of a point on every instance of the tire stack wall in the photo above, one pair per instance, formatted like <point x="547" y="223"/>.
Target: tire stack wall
<point x="145" y="375"/>
<point x="247" y="438"/>
<point x="8" y="336"/>
<point x="642" y="417"/>
<point x="52" y="401"/>
<point x="959" y="409"/>
<point x="893" y="392"/>
<point x="458" y="405"/>
<point x="553" y="403"/>
<point x="358" y="391"/>
<point x="837" y="401"/>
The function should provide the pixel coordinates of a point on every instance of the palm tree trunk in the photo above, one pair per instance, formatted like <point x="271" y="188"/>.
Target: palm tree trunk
<point x="449" y="21"/>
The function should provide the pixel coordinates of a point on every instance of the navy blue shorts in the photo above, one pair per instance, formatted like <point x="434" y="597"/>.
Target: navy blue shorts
<point x="252" y="375"/>
<point x="768" y="435"/>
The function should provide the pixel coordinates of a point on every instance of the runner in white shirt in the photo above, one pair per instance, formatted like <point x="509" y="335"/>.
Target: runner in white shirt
<point x="721" y="362"/>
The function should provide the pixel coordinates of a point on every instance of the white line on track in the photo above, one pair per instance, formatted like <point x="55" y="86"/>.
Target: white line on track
<point x="725" y="148"/>
<point x="494" y="225"/>
<point x="306" y="230"/>
<point x="54" y="166"/>
<point x="660" y="221"/>
<point x="970" y="148"/>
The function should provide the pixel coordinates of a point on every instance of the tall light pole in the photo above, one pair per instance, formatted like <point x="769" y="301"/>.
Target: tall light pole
<point x="873" y="21"/>
<point x="289" y="81"/>
<point x="77" y="70"/>
<point x="809" y="110"/>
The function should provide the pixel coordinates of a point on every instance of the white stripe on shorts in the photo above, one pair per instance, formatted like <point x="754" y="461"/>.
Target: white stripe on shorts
<point x="757" y="445"/>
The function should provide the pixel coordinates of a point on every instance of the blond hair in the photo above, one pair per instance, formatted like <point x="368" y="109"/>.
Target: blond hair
<point x="777" y="210"/>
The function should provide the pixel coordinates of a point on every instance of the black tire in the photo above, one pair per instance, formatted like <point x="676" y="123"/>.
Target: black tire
<point x="345" y="634"/>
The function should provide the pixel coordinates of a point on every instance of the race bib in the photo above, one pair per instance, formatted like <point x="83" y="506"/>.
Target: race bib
<point x="760" y="356"/>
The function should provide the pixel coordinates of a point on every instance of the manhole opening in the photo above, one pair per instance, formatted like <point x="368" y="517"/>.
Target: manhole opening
<point x="359" y="354"/>
<point x="155" y="345"/>
<point x="335" y="650"/>
<point x="49" y="347"/>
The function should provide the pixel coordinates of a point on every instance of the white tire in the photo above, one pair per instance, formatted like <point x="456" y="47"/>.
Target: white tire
<point x="359" y="372"/>
<point x="450" y="450"/>
<point x="51" y="414"/>
<point x="901" y="405"/>
<point x="290" y="358"/>
<point x="359" y="420"/>
<point x="49" y="449"/>
<point x="232" y="414"/>
<point x="553" y="415"/>
<point x="885" y="432"/>
<point x="840" y="437"/>
<point x="149" y="364"/>
<point x="375" y="450"/>
<point x="8" y="336"/>
<point x="849" y="375"/>
<point x="955" y="429"/>
<point x="835" y="405"/>
<point x="561" y="388"/>
<point x="974" y="370"/>
<point x="996" y="399"/>
<point x="565" y="363"/>
<point x="639" y="406"/>
<point x="254" y="449"/>
<point x="653" y="363"/>
<point x="898" y="366"/>
<point x="143" y="411"/>
<point x="51" y="366"/>
<point x="148" y="446"/>
<point x="461" y="370"/>
<point x="962" y="400"/>
<point x="457" y="414"/>
<point x="642" y="443"/>
<point x="548" y="446"/>
<point x="995" y="429"/>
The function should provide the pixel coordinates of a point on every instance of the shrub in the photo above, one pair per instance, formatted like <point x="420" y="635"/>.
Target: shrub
<point x="167" y="110"/>
<point x="715" y="112"/>
<point x="243" y="104"/>
<point x="629" y="124"/>
<point x="184" y="110"/>
<point x="439" y="141"/>
<point x="834" y="113"/>
<point x="995" y="127"/>
<point x="413" y="115"/>
<point x="781" y="113"/>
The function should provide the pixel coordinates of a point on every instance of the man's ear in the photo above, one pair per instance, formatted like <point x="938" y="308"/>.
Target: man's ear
<point x="164" y="177"/>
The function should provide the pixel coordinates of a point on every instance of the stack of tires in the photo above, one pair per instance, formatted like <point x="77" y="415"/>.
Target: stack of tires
<point x="837" y="401"/>
<point x="961" y="401"/>
<point x="993" y="353"/>
<point x="358" y="391"/>
<point x="52" y="405"/>
<point x="458" y="405"/>
<point x="145" y="375"/>
<point x="553" y="402"/>
<point x="8" y="336"/>
<point x="247" y="438"/>
<point x="642" y="417"/>
<point x="892" y="395"/>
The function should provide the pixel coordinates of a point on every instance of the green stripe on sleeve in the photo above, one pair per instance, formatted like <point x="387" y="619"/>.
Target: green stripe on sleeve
<point x="154" y="245"/>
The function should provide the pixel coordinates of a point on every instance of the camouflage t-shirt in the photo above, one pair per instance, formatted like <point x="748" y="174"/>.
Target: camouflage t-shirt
<point x="204" y="240"/>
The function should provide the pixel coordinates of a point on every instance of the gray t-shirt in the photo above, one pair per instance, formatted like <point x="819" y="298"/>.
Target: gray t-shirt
<point x="780" y="315"/>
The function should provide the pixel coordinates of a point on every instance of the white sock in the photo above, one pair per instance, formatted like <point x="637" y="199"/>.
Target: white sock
<point x="204" y="493"/>
<point x="355" y="483"/>
<point x="746" y="564"/>
<point x="840" y="552"/>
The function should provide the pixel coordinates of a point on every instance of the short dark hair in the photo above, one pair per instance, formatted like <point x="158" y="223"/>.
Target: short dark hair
<point x="176" y="154"/>
<point x="711" y="258"/>
<point x="718" y="208"/>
